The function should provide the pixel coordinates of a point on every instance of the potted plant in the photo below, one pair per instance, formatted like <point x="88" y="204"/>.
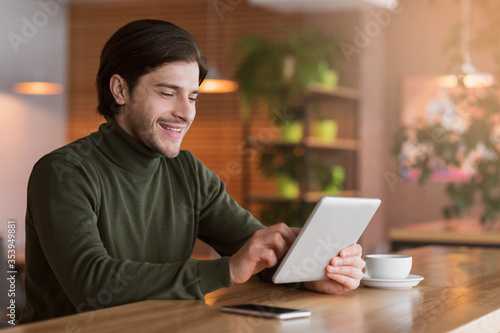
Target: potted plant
<point x="280" y="71"/>
<point x="284" y="166"/>
<point x="325" y="130"/>
<point x="474" y="150"/>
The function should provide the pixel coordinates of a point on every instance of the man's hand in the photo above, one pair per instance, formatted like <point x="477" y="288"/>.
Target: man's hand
<point x="262" y="250"/>
<point x="345" y="272"/>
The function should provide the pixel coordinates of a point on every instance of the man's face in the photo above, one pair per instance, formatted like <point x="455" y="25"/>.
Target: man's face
<point x="162" y="107"/>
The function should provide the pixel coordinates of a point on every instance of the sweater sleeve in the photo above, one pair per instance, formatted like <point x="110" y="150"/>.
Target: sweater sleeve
<point x="63" y="207"/>
<point x="223" y="223"/>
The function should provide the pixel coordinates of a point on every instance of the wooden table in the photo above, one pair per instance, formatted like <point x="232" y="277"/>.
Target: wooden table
<point x="460" y="293"/>
<point x="464" y="231"/>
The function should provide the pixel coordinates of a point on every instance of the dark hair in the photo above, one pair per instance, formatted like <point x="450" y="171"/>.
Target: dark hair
<point x="138" y="48"/>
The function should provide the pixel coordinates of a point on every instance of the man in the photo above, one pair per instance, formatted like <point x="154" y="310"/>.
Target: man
<point x="112" y="218"/>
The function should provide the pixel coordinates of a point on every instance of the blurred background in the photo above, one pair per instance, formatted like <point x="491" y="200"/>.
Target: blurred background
<point x="358" y="98"/>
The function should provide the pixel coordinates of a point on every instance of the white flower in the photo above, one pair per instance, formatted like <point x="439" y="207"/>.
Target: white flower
<point x="480" y="152"/>
<point x="442" y="110"/>
<point x="413" y="151"/>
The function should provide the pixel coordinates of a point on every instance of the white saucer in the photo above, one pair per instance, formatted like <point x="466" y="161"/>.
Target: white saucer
<point x="410" y="281"/>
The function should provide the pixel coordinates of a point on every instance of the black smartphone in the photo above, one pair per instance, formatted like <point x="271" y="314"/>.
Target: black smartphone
<point x="266" y="311"/>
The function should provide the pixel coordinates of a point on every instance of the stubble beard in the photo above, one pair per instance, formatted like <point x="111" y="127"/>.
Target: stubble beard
<point x="148" y="135"/>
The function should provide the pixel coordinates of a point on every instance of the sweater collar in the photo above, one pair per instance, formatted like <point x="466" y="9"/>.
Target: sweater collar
<point x="124" y="150"/>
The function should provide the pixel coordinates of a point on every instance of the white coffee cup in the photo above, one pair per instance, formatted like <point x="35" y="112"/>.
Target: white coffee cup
<point x="388" y="266"/>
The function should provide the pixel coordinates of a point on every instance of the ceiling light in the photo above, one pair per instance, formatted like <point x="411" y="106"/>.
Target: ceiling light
<point x="215" y="83"/>
<point x="38" y="88"/>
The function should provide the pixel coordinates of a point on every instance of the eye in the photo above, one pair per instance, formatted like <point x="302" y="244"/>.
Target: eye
<point x="167" y="94"/>
<point x="193" y="99"/>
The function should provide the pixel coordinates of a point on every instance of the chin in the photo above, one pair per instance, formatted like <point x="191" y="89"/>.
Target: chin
<point x="169" y="153"/>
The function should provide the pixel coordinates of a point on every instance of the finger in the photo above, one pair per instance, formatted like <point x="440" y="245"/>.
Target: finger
<point x="296" y="231"/>
<point x="351" y="250"/>
<point x="288" y="234"/>
<point x="267" y="256"/>
<point x="350" y="261"/>
<point x="276" y="242"/>
<point x="348" y="271"/>
<point x="346" y="283"/>
<point x="282" y="229"/>
<point x="269" y="238"/>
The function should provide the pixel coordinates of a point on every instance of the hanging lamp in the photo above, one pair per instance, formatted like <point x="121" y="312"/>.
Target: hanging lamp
<point x="214" y="82"/>
<point x="468" y="75"/>
<point x="38" y="88"/>
<point x="36" y="81"/>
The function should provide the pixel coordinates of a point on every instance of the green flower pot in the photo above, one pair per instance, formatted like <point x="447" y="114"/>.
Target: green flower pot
<point x="292" y="131"/>
<point x="337" y="180"/>
<point x="327" y="78"/>
<point x="287" y="186"/>
<point x="326" y="131"/>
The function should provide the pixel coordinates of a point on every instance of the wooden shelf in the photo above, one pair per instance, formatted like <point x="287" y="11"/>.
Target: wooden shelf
<point x="344" y="144"/>
<point x="274" y="142"/>
<point x="341" y="92"/>
<point x="316" y="196"/>
<point x="271" y="198"/>
<point x="338" y="144"/>
<point x="310" y="197"/>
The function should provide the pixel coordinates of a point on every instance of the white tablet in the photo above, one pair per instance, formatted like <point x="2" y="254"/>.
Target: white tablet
<point x="334" y="224"/>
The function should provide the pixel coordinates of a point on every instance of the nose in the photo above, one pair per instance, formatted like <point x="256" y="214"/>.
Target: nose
<point x="184" y="109"/>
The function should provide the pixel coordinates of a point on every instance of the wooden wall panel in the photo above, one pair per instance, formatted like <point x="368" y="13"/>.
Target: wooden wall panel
<point x="216" y="134"/>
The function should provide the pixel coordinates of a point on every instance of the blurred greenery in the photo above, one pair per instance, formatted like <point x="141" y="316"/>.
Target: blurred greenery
<point x="281" y="160"/>
<point x="480" y="142"/>
<point x="477" y="149"/>
<point x="294" y="214"/>
<point x="278" y="71"/>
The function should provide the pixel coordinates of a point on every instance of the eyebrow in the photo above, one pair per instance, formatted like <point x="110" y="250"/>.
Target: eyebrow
<point x="175" y="87"/>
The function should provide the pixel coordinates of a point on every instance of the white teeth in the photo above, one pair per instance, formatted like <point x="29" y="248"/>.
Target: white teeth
<point x="171" y="129"/>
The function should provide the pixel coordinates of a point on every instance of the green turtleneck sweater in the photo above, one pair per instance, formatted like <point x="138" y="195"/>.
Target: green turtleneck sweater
<point x="110" y="221"/>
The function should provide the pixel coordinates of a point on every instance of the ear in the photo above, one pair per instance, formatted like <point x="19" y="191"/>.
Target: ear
<point x="119" y="89"/>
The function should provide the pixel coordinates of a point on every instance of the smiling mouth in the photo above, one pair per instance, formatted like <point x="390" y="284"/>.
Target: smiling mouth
<point x="171" y="129"/>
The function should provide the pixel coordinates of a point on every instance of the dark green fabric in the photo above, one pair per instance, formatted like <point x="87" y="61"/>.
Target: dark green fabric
<point x="110" y="222"/>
